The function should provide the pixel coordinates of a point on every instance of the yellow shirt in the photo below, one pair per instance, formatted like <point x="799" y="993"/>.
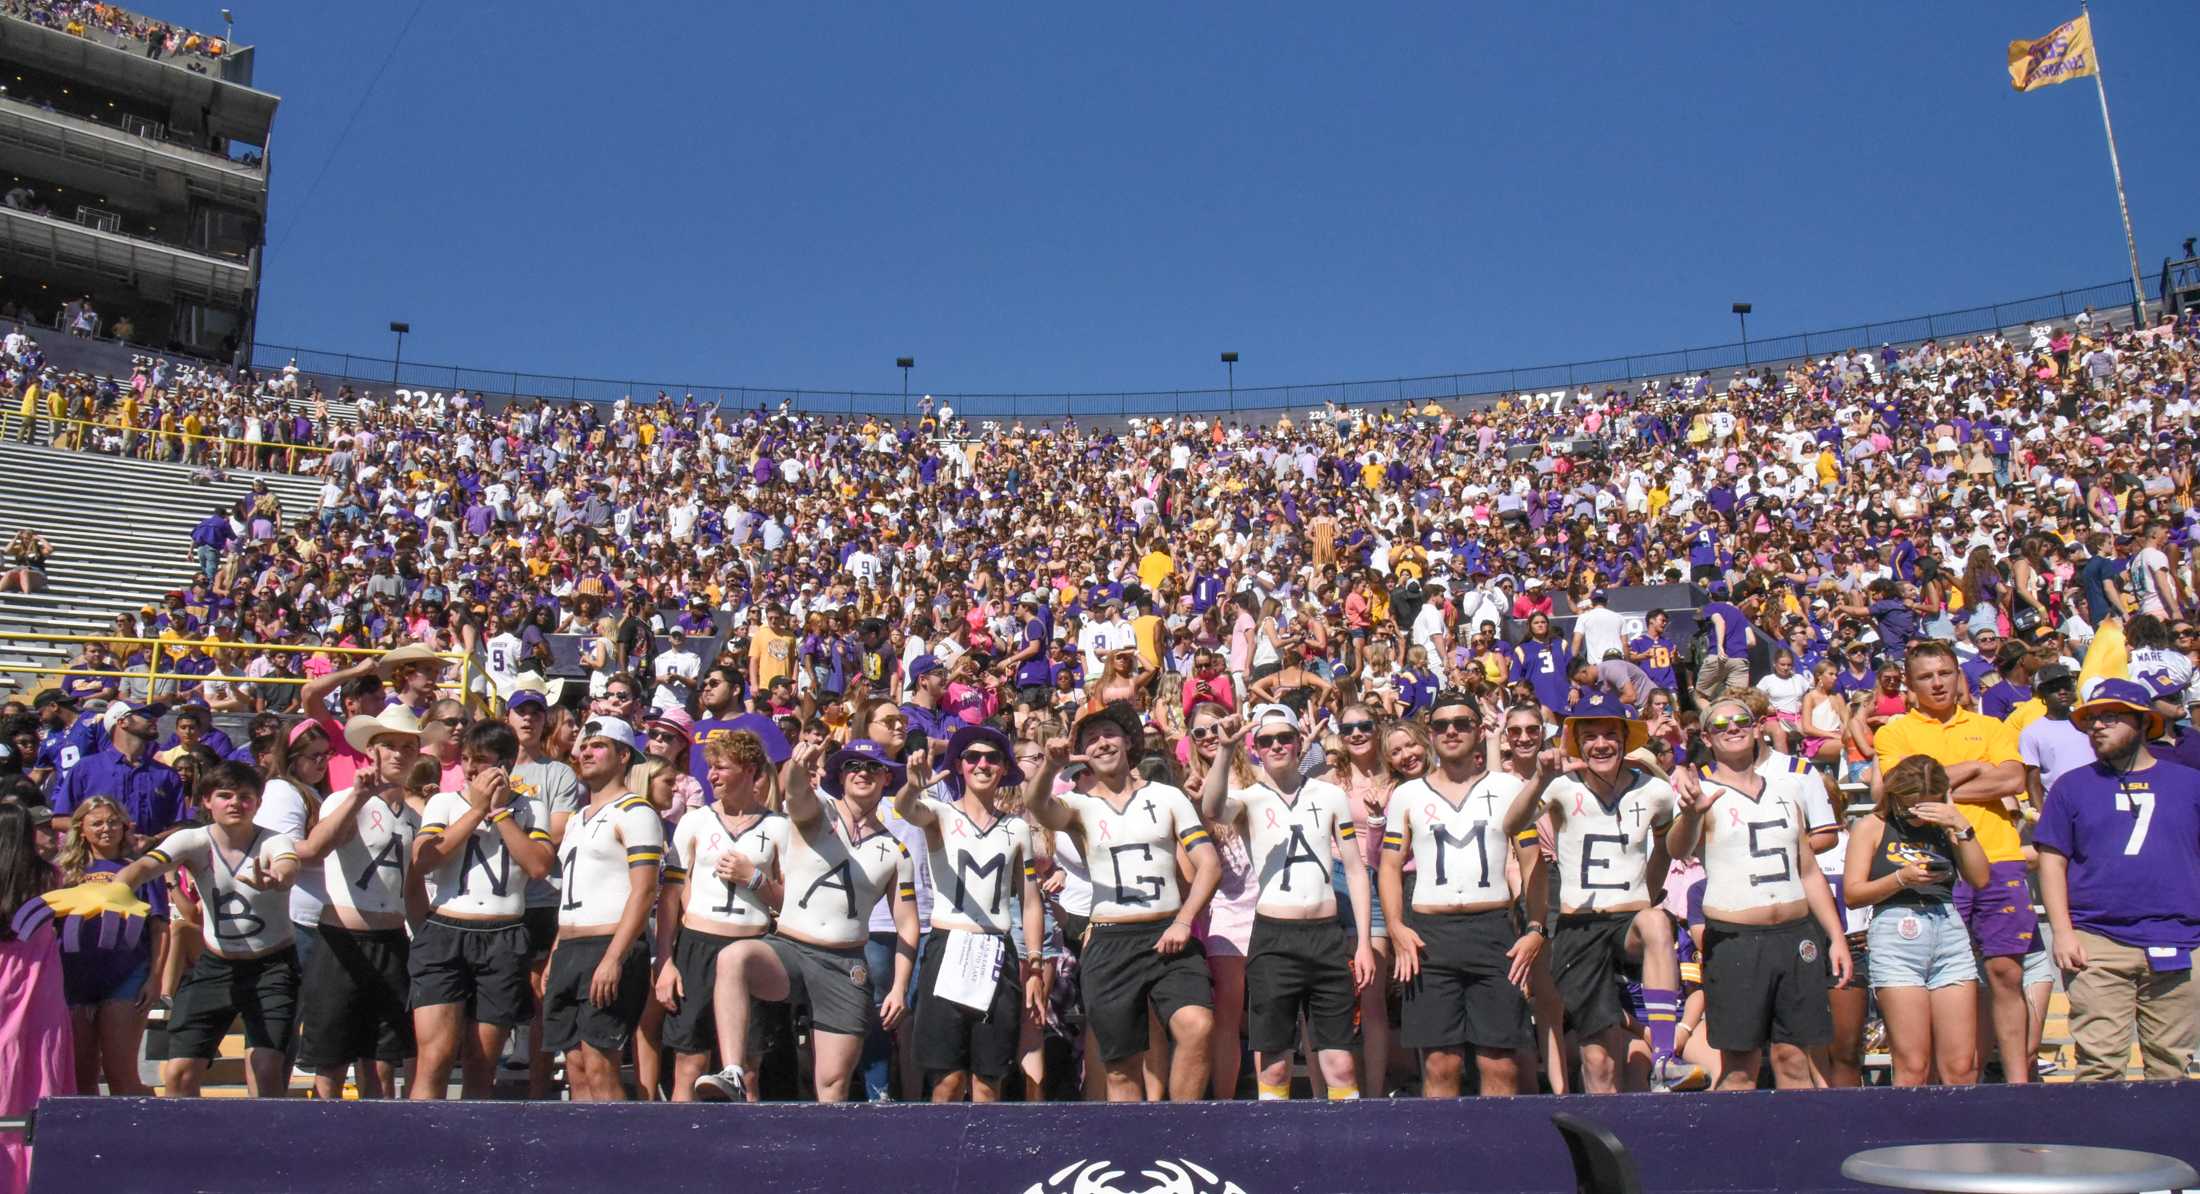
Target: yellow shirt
<point x="774" y="655"/>
<point x="1659" y="500"/>
<point x="1152" y="570"/>
<point x="1147" y="629"/>
<point x="1966" y="737"/>
<point x="1829" y="471"/>
<point x="1371" y="476"/>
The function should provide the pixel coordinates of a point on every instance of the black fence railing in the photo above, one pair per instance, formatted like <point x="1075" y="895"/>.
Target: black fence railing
<point x="381" y="374"/>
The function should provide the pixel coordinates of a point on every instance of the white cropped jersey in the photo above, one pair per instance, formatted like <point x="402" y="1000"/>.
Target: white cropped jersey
<point x="241" y="921"/>
<point x="1459" y="851"/>
<point x="601" y="845"/>
<point x="1604" y="848"/>
<point x="1752" y="849"/>
<point x="976" y="873"/>
<point x="365" y="874"/>
<point x="476" y="880"/>
<point x="702" y="838"/>
<point x="1290" y="838"/>
<point x="832" y="883"/>
<point x="1131" y="855"/>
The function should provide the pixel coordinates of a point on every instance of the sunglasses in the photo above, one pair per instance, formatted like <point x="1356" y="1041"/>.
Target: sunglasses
<point x="1455" y="725"/>
<point x="1719" y="725"/>
<point x="1270" y="741"/>
<point x="1356" y="727"/>
<point x="865" y="768"/>
<point x="984" y="758"/>
<point x="1205" y="733"/>
<point x="663" y="736"/>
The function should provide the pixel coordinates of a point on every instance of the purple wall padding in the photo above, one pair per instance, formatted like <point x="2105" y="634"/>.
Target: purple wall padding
<point x="1744" y="1142"/>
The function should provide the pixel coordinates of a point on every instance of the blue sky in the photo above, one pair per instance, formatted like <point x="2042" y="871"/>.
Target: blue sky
<point x="1026" y="197"/>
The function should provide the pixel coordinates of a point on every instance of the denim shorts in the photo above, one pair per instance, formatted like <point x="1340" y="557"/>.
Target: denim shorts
<point x="1376" y="927"/>
<point x="1919" y="945"/>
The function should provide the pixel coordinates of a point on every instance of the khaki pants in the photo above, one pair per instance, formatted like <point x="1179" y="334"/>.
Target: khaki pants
<point x="2117" y="992"/>
<point x="1721" y="674"/>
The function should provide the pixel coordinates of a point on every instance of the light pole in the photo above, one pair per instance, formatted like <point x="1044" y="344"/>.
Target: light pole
<point x="397" y="361"/>
<point x="905" y="364"/>
<point x="1741" y="311"/>
<point x="229" y="30"/>
<point x="1229" y="362"/>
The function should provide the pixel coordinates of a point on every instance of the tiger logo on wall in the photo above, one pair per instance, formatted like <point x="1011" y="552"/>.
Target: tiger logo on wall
<point x="1163" y="1177"/>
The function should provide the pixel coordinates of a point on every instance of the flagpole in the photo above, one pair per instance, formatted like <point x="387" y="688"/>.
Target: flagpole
<point x="2115" y="167"/>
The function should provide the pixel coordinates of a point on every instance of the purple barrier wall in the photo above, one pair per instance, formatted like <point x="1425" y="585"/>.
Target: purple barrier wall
<point x="1746" y="1142"/>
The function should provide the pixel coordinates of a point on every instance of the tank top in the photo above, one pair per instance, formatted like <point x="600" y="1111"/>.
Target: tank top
<point x="1904" y="842"/>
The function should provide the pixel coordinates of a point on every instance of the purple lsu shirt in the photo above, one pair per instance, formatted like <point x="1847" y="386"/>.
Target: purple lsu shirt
<point x="2133" y="843"/>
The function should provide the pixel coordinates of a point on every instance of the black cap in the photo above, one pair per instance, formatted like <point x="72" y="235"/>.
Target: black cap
<point x="52" y="697"/>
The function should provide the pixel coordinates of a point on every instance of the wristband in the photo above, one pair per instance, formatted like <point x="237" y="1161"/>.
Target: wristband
<point x="756" y="880"/>
<point x="500" y="816"/>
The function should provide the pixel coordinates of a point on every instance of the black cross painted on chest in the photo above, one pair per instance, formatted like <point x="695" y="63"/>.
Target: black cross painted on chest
<point x="884" y="851"/>
<point x="1151" y="815"/>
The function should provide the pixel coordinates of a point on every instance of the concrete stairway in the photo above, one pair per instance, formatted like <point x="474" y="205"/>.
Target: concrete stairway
<point x="121" y="532"/>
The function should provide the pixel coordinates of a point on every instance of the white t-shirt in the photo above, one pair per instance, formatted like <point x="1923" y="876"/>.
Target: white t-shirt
<point x="1785" y="695"/>
<point x="288" y="810"/>
<point x="1601" y="629"/>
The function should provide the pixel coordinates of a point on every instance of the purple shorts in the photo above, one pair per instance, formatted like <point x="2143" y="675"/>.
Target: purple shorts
<point x="2000" y="914"/>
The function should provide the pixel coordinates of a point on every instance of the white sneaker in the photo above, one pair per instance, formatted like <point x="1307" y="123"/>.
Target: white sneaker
<point x="1671" y="1073"/>
<point x="728" y="1085"/>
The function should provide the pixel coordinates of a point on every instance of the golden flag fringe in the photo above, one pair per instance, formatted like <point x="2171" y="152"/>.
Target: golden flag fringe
<point x="2061" y="56"/>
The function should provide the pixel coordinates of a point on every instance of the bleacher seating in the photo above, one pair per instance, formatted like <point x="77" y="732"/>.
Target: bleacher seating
<point x="121" y="533"/>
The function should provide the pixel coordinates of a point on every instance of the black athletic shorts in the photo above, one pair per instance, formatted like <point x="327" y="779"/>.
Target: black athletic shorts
<point x="1765" y="983"/>
<point x="1121" y="975"/>
<point x="1588" y="951"/>
<point x="952" y="1038"/>
<point x="1074" y="928"/>
<point x="216" y="990"/>
<point x="835" y="984"/>
<point x="691" y="1026"/>
<point x="481" y="965"/>
<point x="354" y="999"/>
<point x="542" y="930"/>
<point x="1295" y="968"/>
<point x="570" y="1018"/>
<point x="1462" y="997"/>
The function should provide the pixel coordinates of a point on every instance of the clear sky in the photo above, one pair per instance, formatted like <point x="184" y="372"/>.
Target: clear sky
<point x="1048" y="197"/>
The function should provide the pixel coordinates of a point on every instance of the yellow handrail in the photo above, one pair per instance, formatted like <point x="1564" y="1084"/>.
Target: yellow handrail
<point x="153" y="673"/>
<point x="24" y="636"/>
<point x="157" y="433"/>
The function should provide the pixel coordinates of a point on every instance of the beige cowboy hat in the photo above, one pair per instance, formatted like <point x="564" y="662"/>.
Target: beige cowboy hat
<point x="361" y="731"/>
<point x="387" y="666"/>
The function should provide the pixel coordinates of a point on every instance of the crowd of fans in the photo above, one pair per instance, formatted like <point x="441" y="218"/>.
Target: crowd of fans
<point x="80" y="17"/>
<point x="1097" y="694"/>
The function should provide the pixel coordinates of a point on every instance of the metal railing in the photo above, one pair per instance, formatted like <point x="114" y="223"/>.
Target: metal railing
<point x="143" y="443"/>
<point x="157" y="681"/>
<point x="381" y="374"/>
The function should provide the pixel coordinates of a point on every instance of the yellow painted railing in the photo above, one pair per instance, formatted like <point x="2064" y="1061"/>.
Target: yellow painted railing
<point x="152" y="673"/>
<point x="12" y="422"/>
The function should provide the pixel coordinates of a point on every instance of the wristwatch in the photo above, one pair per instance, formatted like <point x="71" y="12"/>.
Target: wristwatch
<point x="1537" y="927"/>
<point x="1966" y="835"/>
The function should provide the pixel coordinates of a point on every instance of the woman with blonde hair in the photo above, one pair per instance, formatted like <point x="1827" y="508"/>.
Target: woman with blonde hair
<point x="108" y="981"/>
<point x="1361" y="767"/>
<point x="1225" y="929"/>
